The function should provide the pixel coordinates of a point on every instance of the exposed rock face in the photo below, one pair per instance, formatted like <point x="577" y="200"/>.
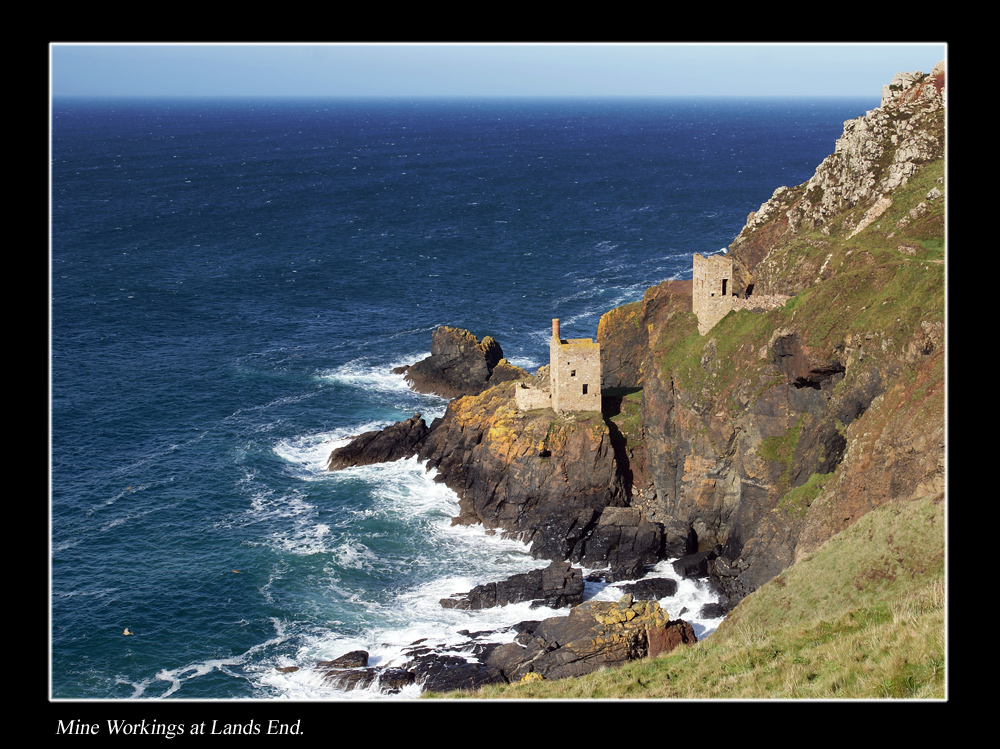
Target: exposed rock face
<point x="460" y="364"/>
<point x="624" y="332"/>
<point x="651" y="589"/>
<point x="549" y="480"/>
<point x="769" y="437"/>
<point x="351" y="671"/>
<point x="877" y="154"/>
<point x="594" y="635"/>
<point x="400" y="440"/>
<point x="556" y="586"/>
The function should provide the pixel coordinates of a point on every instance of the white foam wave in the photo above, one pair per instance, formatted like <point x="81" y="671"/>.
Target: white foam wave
<point x="372" y="375"/>
<point x="353" y="554"/>
<point x="311" y="452"/>
<point x="175" y="678"/>
<point x="525" y="362"/>
<point x="685" y="604"/>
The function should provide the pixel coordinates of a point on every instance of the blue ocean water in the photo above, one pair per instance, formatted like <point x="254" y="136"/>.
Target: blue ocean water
<point x="232" y="282"/>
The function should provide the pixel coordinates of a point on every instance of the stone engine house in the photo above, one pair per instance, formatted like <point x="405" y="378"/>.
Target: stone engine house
<point x="574" y="377"/>
<point x="711" y="290"/>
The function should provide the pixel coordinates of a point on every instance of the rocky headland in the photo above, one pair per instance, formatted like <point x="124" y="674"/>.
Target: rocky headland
<point x="460" y="364"/>
<point x="817" y="399"/>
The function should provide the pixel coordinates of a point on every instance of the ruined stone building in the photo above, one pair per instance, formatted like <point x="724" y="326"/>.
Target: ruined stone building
<point x="711" y="290"/>
<point x="574" y="377"/>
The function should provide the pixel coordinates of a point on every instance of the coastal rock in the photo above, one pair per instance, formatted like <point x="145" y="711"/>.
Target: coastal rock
<point x="623" y="540"/>
<point x="694" y="565"/>
<point x="400" y="440"/>
<point x="662" y="640"/>
<point x="594" y="635"/>
<point x="460" y="364"/>
<point x="651" y="589"/>
<point x="876" y="154"/>
<point x="753" y="444"/>
<point x="353" y="659"/>
<point x="437" y="671"/>
<point x="550" y="480"/>
<point x="384" y="680"/>
<point x="351" y="671"/>
<point x="624" y="332"/>
<point x="556" y="586"/>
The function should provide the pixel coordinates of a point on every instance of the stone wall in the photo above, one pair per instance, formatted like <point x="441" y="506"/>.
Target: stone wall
<point x="528" y="398"/>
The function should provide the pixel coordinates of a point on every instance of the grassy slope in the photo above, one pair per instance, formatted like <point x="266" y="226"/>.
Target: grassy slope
<point x="862" y="617"/>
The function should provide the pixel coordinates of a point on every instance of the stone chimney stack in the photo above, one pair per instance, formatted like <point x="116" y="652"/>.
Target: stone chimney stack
<point x="555" y="327"/>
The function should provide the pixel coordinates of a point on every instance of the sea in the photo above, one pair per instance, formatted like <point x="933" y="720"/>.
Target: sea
<point x="232" y="283"/>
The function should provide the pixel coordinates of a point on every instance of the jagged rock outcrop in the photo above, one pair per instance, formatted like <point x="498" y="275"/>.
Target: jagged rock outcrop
<point x="351" y="671"/>
<point x="399" y="440"/>
<point x="558" y="585"/>
<point x="460" y="364"/>
<point x="596" y="634"/>
<point x="877" y="154"/>
<point x="624" y="332"/>
<point x="550" y="480"/>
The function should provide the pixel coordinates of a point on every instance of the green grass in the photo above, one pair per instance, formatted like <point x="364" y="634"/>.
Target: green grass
<point x="629" y="417"/>
<point x="863" y="617"/>
<point x="798" y="500"/>
<point x="781" y="449"/>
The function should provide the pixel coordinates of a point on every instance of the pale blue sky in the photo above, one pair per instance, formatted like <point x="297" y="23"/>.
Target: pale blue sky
<point x="423" y="69"/>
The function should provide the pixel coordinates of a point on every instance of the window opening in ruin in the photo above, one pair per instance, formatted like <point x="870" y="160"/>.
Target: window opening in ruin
<point x="724" y="280"/>
<point x="584" y="389"/>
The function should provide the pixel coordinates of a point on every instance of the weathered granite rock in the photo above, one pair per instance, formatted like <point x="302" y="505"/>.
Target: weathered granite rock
<point x="660" y="640"/>
<point x="876" y="154"/>
<point x="351" y="672"/>
<point x="594" y="635"/>
<point x="556" y="586"/>
<point x="400" y="440"/>
<point x="651" y="589"/>
<point x="624" y="332"/>
<point x="445" y="672"/>
<point x="386" y="680"/>
<point x="694" y="565"/>
<point x="460" y="364"/>
<point x="623" y="540"/>
<point x="353" y="659"/>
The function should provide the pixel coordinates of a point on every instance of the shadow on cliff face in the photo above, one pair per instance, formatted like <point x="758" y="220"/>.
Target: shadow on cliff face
<point x="622" y="460"/>
<point x="612" y="402"/>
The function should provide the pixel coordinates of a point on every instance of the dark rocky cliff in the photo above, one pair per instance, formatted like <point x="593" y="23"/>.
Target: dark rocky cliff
<point x="778" y="429"/>
<point x="760" y="440"/>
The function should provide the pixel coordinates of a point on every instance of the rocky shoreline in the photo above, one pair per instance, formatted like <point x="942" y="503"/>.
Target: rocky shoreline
<point x="736" y="450"/>
<point x="564" y="498"/>
<point x="593" y="635"/>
